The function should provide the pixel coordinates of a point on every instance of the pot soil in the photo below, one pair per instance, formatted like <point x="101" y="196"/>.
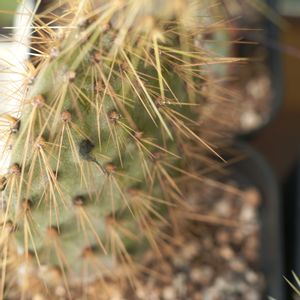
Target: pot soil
<point x="229" y="252"/>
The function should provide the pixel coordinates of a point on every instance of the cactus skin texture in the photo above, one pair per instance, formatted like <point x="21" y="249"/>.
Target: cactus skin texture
<point x="103" y="138"/>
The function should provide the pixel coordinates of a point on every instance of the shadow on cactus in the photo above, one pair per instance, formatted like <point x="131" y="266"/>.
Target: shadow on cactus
<point x="101" y="142"/>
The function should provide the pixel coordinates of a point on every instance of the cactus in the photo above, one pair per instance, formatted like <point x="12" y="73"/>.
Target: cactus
<point x="295" y="287"/>
<point x="101" y="140"/>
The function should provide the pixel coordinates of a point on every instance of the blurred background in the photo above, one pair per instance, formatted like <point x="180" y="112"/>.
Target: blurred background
<point x="280" y="141"/>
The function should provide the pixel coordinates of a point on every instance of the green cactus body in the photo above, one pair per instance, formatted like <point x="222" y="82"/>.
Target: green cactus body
<point x="101" y="138"/>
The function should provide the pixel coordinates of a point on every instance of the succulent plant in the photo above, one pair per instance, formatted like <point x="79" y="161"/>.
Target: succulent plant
<point x="105" y="133"/>
<point x="295" y="287"/>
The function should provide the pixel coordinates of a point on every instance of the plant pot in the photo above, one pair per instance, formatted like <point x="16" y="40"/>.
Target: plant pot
<point x="292" y="220"/>
<point x="252" y="171"/>
<point x="253" y="94"/>
<point x="273" y="61"/>
<point x="255" y="171"/>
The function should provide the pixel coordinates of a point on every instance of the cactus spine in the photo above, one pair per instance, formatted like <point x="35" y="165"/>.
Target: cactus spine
<point x="102" y="140"/>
